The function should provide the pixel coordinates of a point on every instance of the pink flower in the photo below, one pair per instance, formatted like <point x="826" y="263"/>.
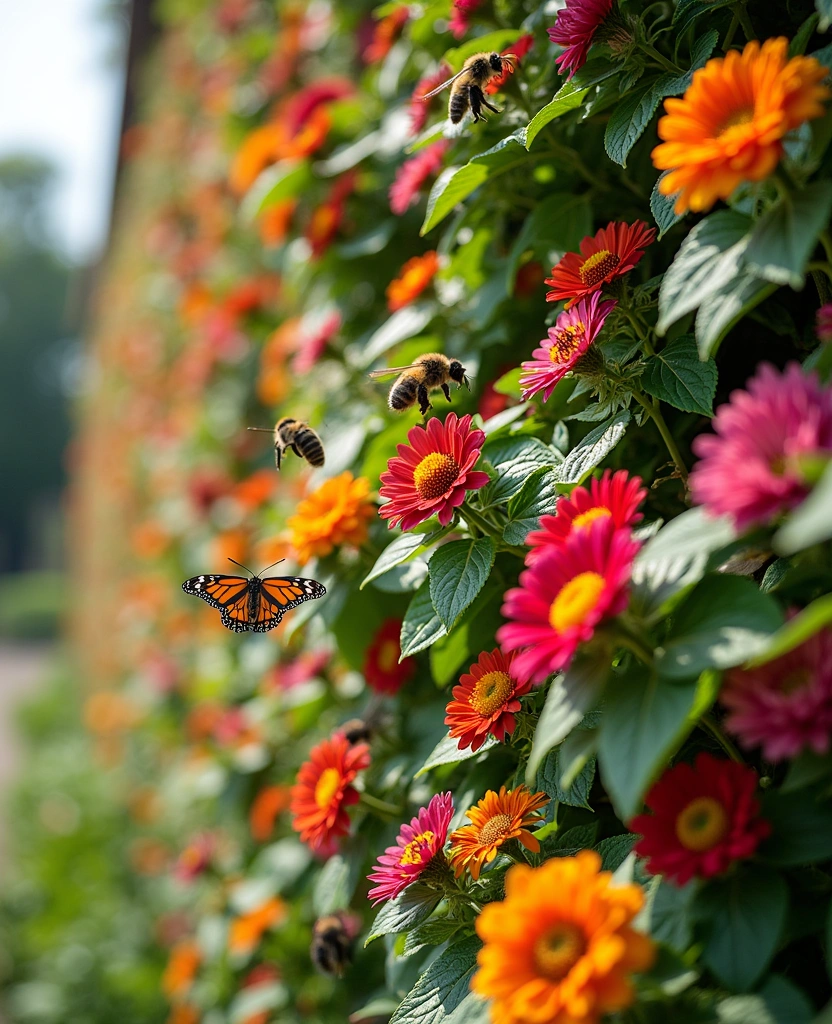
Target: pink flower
<point x="574" y="331"/>
<point x="575" y="29"/>
<point x="750" y="468"/>
<point x="564" y="596"/>
<point x="616" y="496"/>
<point x="823" y="323"/>
<point x="786" y="705"/>
<point x="412" y="175"/>
<point x="419" y="108"/>
<point x="461" y="17"/>
<point x="432" y="474"/>
<point x="307" y="665"/>
<point x="195" y="858"/>
<point x="317" y="330"/>
<point x="416" y="846"/>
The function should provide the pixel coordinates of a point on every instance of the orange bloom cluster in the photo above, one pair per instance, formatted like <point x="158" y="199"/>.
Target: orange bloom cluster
<point x="416" y="275"/>
<point x="496" y="819"/>
<point x="336" y="513"/>
<point x="247" y="930"/>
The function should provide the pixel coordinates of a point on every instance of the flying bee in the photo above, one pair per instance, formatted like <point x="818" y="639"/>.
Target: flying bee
<point x="300" y="437"/>
<point x="332" y="939"/>
<point x="430" y="372"/>
<point x="356" y="730"/>
<point x="467" y="85"/>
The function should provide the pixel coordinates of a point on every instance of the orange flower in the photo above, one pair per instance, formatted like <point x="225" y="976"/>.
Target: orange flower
<point x="416" y="275"/>
<point x="385" y="34"/>
<point x="183" y="1013"/>
<point x="273" y="380"/>
<point x="311" y="136"/>
<point x="335" y="514"/>
<point x="232" y="544"/>
<point x="730" y="124"/>
<point x="276" y="220"/>
<point x="108" y="712"/>
<point x="268" y="803"/>
<point x="260" y="148"/>
<point x="497" y="818"/>
<point x="560" y="948"/>
<point x="183" y="963"/>
<point x="256" y="489"/>
<point x="486" y="700"/>
<point x="247" y="930"/>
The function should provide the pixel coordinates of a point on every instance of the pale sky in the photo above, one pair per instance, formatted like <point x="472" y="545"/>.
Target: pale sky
<point x="61" y="80"/>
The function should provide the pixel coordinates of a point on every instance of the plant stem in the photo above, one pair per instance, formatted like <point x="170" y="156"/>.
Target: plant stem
<point x="709" y="725"/>
<point x="633" y="645"/>
<point x="381" y="806"/>
<point x="821" y="266"/>
<point x="668" y="65"/>
<point x="478" y="521"/>
<point x="654" y="412"/>
<point x="732" y="31"/>
<point x="741" y="13"/>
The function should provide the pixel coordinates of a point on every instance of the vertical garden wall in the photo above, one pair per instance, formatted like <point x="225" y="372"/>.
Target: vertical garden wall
<point x="554" y="746"/>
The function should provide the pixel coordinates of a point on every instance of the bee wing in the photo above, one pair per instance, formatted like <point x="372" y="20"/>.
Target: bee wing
<point x="390" y="371"/>
<point x="444" y="85"/>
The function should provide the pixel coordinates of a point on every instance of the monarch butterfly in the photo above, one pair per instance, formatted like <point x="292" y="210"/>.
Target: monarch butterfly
<point x="253" y="604"/>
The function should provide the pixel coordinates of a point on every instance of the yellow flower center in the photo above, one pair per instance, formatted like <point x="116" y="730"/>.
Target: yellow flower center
<point x="435" y="475"/>
<point x="412" y="853"/>
<point x="327" y="787"/>
<point x="739" y="117"/>
<point x="558" y="950"/>
<point x="596" y="267"/>
<point x="702" y="824"/>
<point x="566" y="341"/>
<point x="495" y="829"/>
<point x="795" y="680"/>
<point x="388" y="655"/>
<point x="491" y="692"/>
<point x="591" y="514"/>
<point x="575" y="600"/>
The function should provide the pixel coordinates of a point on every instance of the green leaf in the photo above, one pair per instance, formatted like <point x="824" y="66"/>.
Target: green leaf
<point x="576" y="794"/>
<point x="645" y="721"/>
<point x="661" y="206"/>
<point x="593" y="449"/>
<point x="744" y="916"/>
<point x="281" y="181"/>
<point x="805" y="770"/>
<point x="336" y="883"/>
<point x="472" y="633"/>
<point x="707" y="260"/>
<point x="669" y="914"/>
<point x="408" y="909"/>
<point x="783" y="238"/>
<point x="569" y="698"/>
<point x="458" y="572"/>
<point x="570" y="95"/>
<point x="431" y="933"/>
<point x="575" y="751"/>
<point x="442" y="988"/>
<point x="394" y="554"/>
<point x="570" y="842"/>
<point x="678" y="376"/>
<point x="536" y="498"/>
<point x="615" y="850"/>
<point x="447" y="751"/>
<point x="554" y="227"/>
<point x="777" y="1002"/>
<point x="796" y="631"/>
<point x="403" y="324"/>
<point x="514" y="459"/>
<point x="723" y="308"/>
<point x="723" y="622"/>
<point x="421" y="626"/>
<point x="801" y="828"/>
<point x="811" y="522"/>
<point x="824" y="9"/>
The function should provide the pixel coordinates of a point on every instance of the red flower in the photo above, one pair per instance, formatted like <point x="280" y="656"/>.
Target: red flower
<point x="416" y="275"/>
<point x="705" y="817"/>
<point x="412" y="175"/>
<point x="575" y="29"/>
<point x="385" y="34"/>
<point x="323" y="791"/>
<point x="432" y="474"/>
<point x="420" y="108"/>
<point x="461" y="18"/>
<point x="381" y="668"/>
<point x="302" y="105"/>
<point x="326" y="218"/>
<point x="486" y="700"/>
<point x="519" y="50"/>
<point x="610" y="253"/>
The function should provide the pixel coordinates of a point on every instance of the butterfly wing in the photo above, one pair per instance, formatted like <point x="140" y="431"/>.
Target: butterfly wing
<point x="228" y="594"/>
<point x="280" y="594"/>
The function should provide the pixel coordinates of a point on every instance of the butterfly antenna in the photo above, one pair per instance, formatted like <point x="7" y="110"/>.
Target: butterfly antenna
<point x="271" y="566"/>
<point x="234" y="560"/>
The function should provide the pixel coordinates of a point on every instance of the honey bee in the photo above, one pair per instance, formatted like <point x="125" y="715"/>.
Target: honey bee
<point x="467" y="85"/>
<point x="331" y="949"/>
<point x="356" y="730"/>
<point x="300" y="437"/>
<point x="430" y="372"/>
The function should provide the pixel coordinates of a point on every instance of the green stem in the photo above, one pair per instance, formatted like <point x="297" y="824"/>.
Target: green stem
<point x="732" y="31"/>
<point x="381" y="806"/>
<point x="668" y="65"/>
<point x="820" y="265"/>
<point x="478" y="521"/>
<point x="741" y="13"/>
<point x="710" y="726"/>
<point x="654" y="412"/>
<point x="626" y="639"/>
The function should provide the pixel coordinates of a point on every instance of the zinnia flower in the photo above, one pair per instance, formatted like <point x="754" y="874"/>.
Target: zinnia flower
<point x="417" y="844"/>
<point x="416" y="275"/>
<point x="750" y="468"/>
<point x="318" y="329"/>
<point x="784" y="706"/>
<point x="705" y="817"/>
<point x="730" y="124"/>
<point x="461" y="16"/>
<point x="323" y="791"/>
<point x="420" y="108"/>
<point x="486" y="700"/>
<point x="431" y="474"/>
<point x="496" y="819"/>
<point x="575" y="30"/>
<point x="560" y="948"/>
<point x="382" y="669"/>
<point x="412" y="175"/>
<point x="246" y="931"/>
<point x="610" y="253"/>
<point x="269" y="802"/>
<point x="573" y="333"/>
<point x="615" y="496"/>
<point x="182" y="965"/>
<point x="335" y="514"/>
<point x="565" y="595"/>
<point x="385" y="34"/>
<point x="823" y="323"/>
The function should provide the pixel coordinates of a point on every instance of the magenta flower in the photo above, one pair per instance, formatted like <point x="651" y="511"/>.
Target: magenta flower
<point x="574" y="331"/>
<point x="823" y="323"/>
<point x="575" y="29"/>
<point x="416" y="846"/>
<point x="750" y="468"/>
<point x="784" y="706"/>
<point x="461" y="18"/>
<point x="420" y="108"/>
<point x="317" y="330"/>
<point x="412" y="175"/>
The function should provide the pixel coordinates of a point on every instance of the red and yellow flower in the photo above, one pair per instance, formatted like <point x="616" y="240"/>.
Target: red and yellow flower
<point x="486" y="700"/>
<point x="382" y="669"/>
<point x="495" y="819"/>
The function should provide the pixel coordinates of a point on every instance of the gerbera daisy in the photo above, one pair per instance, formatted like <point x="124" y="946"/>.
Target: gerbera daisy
<point x="561" y="947"/>
<point x="431" y="474"/>
<point x="615" y="496"/>
<point x="823" y="323"/>
<point x="564" y="596"/>
<point x="382" y="669"/>
<point x="246" y="931"/>
<point x="496" y="819"/>
<point x="461" y="15"/>
<point x="417" y="844"/>
<point x="323" y="791"/>
<point x="575" y="30"/>
<point x="486" y="700"/>
<point x="705" y="817"/>
<point x="412" y="175"/>
<point x="419" y="107"/>
<point x="784" y="706"/>
<point x="335" y="514"/>
<point x="610" y="253"/>
<point x="266" y="806"/>
<point x="414" y="277"/>
<point x="750" y="467"/>
<point x="573" y="333"/>
<point x="730" y="124"/>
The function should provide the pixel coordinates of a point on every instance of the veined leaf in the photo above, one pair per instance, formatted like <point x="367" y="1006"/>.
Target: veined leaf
<point x="408" y="909"/>
<point x="678" y="376"/>
<point x="593" y="449"/>
<point x="458" y="572"/>
<point x="421" y="626"/>
<point x="536" y="498"/>
<point x="442" y="988"/>
<point x="783" y="239"/>
<point x="570" y="95"/>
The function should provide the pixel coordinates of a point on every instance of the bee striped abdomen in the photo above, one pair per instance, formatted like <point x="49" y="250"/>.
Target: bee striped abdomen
<point x="308" y="446"/>
<point x="458" y="103"/>
<point x="403" y="393"/>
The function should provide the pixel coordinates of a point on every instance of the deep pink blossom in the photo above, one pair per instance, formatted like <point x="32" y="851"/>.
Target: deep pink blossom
<point x="412" y="175"/>
<point x="575" y="29"/>
<point x="461" y="16"/>
<point x="416" y="846"/>
<point x="420" y="108"/>
<point x="823" y="323"/>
